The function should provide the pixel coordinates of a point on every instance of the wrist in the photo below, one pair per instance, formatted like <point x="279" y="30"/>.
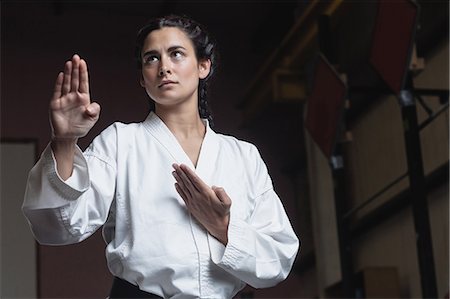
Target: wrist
<point x="63" y="147"/>
<point x="222" y="232"/>
<point x="63" y="142"/>
<point x="64" y="151"/>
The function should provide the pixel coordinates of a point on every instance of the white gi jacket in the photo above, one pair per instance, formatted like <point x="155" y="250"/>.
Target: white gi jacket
<point x="124" y="181"/>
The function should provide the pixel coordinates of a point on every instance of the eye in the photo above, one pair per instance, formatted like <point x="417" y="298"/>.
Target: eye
<point x="151" y="59"/>
<point x="177" y="54"/>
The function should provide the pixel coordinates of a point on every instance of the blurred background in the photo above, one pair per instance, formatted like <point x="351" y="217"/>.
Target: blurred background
<point x="318" y="86"/>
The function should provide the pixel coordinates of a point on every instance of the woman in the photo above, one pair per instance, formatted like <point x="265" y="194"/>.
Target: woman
<point x="187" y="212"/>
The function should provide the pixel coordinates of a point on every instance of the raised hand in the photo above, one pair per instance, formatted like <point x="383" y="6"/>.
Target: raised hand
<point x="209" y="205"/>
<point x="72" y="114"/>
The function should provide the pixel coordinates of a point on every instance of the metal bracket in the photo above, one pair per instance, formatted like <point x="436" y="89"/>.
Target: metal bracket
<point x="337" y="162"/>
<point x="406" y="98"/>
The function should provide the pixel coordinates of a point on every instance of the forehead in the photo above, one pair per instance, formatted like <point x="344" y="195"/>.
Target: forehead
<point x="167" y="37"/>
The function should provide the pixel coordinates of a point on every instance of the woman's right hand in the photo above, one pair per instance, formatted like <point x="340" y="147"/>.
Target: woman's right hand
<point x="72" y="114"/>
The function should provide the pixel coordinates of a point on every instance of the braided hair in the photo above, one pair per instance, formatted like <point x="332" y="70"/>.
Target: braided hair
<point x="204" y="45"/>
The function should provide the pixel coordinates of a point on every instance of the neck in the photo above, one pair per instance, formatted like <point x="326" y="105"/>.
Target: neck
<point x="182" y="123"/>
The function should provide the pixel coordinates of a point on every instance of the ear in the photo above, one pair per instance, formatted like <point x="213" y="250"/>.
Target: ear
<point x="204" y="67"/>
<point x="141" y="82"/>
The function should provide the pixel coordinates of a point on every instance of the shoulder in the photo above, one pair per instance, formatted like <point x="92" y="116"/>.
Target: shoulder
<point x="234" y="149"/>
<point x="120" y="129"/>
<point x="246" y="156"/>
<point x="114" y="136"/>
<point x="238" y="146"/>
<point x="113" y="130"/>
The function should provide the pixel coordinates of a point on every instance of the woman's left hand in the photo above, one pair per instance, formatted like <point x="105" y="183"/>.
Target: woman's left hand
<point x="209" y="205"/>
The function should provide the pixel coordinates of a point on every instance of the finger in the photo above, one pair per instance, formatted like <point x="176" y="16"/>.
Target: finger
<point x="184" y="178"/>
<point x="84" y="77"/>
<point x="58" y="86"/>
<point x="75" y="73"/>
<point x="182" y="184"/>
<point x="93" y="110"/>
<point x="67" y="76"/>
<point x="182" y="194"/>
<point x="222" y="195"/>
<point x="195" y="179"/>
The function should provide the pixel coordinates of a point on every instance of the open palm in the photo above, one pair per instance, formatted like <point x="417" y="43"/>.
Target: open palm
<point x="72" y="114"/>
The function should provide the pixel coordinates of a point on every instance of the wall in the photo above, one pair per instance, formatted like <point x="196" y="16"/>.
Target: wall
<point x="374" y="158"/>
<point x="18" y="248"/>
<point x="323" y="216"/>
<point x="378" y="143"/>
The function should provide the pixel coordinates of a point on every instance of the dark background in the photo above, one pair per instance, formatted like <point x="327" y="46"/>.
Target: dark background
<point x="37" y="37"/>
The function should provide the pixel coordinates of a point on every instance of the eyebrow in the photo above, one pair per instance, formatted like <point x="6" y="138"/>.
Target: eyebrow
<point x="172" y="48"/>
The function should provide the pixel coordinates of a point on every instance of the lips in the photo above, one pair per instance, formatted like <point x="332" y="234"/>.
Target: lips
<point x="166" y="82"/>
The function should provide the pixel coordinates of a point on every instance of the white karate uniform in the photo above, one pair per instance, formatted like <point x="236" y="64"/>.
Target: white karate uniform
<point x="124" y="181"/>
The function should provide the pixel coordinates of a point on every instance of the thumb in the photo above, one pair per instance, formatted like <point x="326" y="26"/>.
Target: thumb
<point x="222" y="195"/>
<point x="93" y="110"/>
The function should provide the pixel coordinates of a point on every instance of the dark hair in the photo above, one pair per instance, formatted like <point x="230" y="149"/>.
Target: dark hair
<point x="204" y="46"/>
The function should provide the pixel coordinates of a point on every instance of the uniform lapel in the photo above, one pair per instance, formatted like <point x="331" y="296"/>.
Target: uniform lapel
<point x="164" y="136"/>
<point x="209" y="153"/>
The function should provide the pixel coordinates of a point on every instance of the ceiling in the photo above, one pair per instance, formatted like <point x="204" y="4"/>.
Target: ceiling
<point x="261" y="23"/>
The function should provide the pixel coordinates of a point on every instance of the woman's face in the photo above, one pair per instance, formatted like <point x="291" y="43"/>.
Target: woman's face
<point x="170" y="70"/>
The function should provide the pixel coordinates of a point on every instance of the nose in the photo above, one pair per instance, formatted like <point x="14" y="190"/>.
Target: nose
<point x="164" y="68"/>
<point x="163" y="71"/>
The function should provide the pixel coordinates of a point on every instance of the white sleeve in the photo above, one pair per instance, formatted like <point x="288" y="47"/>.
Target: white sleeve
<point x="65" y="212"/>
<point x="261" y="250"/>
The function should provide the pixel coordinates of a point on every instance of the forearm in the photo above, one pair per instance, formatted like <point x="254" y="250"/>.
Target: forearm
<point x="46" y="197"/>
<point x="64" y="152"/>
<point x="220" y="230"/>
<point x="64" y="212"/>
